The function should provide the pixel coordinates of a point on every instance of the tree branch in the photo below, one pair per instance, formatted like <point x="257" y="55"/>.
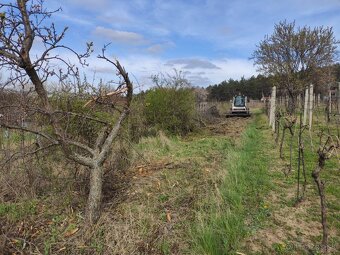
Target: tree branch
<point x="46" y="136"/>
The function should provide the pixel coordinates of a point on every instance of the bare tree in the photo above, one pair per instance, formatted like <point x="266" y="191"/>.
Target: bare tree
<point x="22" y="25"/>
<point x="176" y="80"/>
<point x="297" y="56"/>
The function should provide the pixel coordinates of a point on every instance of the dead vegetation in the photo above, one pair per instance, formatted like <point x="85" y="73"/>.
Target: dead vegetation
<point x="147" y="208"/>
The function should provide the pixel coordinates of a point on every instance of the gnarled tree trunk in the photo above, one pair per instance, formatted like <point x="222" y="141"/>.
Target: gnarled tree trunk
<point x="95" y="194"/>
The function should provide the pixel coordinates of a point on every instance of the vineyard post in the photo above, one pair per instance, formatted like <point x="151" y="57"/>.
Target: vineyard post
<point x="272" y="109"/>
<point x="305" y="109"/>
<point x="2" y="139"/>
<point x="329" y="104"/>
<point x="338" y="98"/>
<point x="311" y="97"/>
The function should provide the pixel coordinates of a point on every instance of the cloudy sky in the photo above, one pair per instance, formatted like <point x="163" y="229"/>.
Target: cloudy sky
<point x="209" y="40"/>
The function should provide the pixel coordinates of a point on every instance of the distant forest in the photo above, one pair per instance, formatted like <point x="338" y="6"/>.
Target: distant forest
<point x="254" y="87"/>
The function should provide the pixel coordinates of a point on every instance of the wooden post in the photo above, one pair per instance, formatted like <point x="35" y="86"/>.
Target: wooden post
<point x="305" y="109"/>
<point x="311" y="97"/>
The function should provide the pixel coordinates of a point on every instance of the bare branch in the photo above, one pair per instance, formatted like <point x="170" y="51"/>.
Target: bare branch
<point x="46" y="136"/>
<point x="19" y="155"/>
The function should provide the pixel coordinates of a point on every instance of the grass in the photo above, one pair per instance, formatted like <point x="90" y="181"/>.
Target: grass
<point x="222" y="218"/>
<point x="18" y="211"/>
<point x="295" y="228"/>
<point x="207" y="193"/>
<point x="181" y="190"/>
<point x="171" y="178"/>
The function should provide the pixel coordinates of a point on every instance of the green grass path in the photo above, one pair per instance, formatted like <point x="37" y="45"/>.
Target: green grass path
<point x="237" y="207"/>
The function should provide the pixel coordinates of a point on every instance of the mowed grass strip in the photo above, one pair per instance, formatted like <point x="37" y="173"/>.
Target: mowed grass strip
<point x="221" y="220"/>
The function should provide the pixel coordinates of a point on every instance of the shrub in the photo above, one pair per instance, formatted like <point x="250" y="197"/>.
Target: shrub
<point x="137" y="125"/>
<point x="171" y="109"/>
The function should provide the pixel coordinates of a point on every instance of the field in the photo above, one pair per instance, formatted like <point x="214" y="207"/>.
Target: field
<point x="220" y="190"/>
<point x="118" y="132"/>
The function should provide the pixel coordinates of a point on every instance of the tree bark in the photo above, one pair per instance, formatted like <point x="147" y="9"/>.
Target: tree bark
<point x="277" y="129"/>
<point x="321" y="189"/>
<point x="291" y="149"/>
<point x="95" y="194"/>
<point x="303" y="169"/>
<point x="329" y="109"/>
<point x="282" y="140"/>
<point x="301" y="161"/>
<point x="291" y="104"/>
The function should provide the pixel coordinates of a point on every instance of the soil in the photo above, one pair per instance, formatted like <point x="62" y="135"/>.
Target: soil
<point x="232" y="127"/>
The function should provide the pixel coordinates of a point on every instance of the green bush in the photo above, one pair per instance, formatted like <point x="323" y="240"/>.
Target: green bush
<point x="137" y="125"/>
<point x="171" y="109"/>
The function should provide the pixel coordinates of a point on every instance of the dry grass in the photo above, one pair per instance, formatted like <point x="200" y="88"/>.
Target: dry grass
<point x="148" y="208"/>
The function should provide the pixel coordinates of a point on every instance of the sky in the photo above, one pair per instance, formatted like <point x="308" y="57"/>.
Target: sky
<point x="208" y="40"/>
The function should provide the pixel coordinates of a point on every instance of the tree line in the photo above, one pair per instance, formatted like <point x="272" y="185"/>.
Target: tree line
<point x="254" y="88"/>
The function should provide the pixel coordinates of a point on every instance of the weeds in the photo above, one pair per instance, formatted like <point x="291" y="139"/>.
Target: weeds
<point x="222" y="219"/>
<point x="18" y="211"/>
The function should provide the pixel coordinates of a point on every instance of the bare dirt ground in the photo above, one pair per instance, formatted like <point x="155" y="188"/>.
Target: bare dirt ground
<point x="232" y="127"/>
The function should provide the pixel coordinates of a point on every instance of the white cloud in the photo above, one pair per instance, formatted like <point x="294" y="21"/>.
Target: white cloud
<point x="192" y="63"/>
<point x="116" y="17"/>
<point x="141" y="67"/>
<point x="155" y="49"/>
<point x="233" y="68"/>
<point x="90" y="4"/>
<point x="227" y="68"/>
<point x="73" y="19"/>
<point x="120" y="36"/>
<point x="160" y="47"/>
<point x="211" y="51"/>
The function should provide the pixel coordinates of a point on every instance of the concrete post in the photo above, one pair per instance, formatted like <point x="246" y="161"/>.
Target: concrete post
<point x="330" y="101"/>
<point x="305" y="108"/>
<point x="338" y="98"/>
<point x="272" y="109"/>
<point x="311" y="97"/>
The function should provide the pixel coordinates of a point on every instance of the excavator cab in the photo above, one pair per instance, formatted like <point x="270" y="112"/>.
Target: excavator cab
<point x="239" y="107"/>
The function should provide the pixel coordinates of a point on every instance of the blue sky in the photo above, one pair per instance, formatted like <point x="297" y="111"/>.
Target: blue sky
<point x="209" y="40"/>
